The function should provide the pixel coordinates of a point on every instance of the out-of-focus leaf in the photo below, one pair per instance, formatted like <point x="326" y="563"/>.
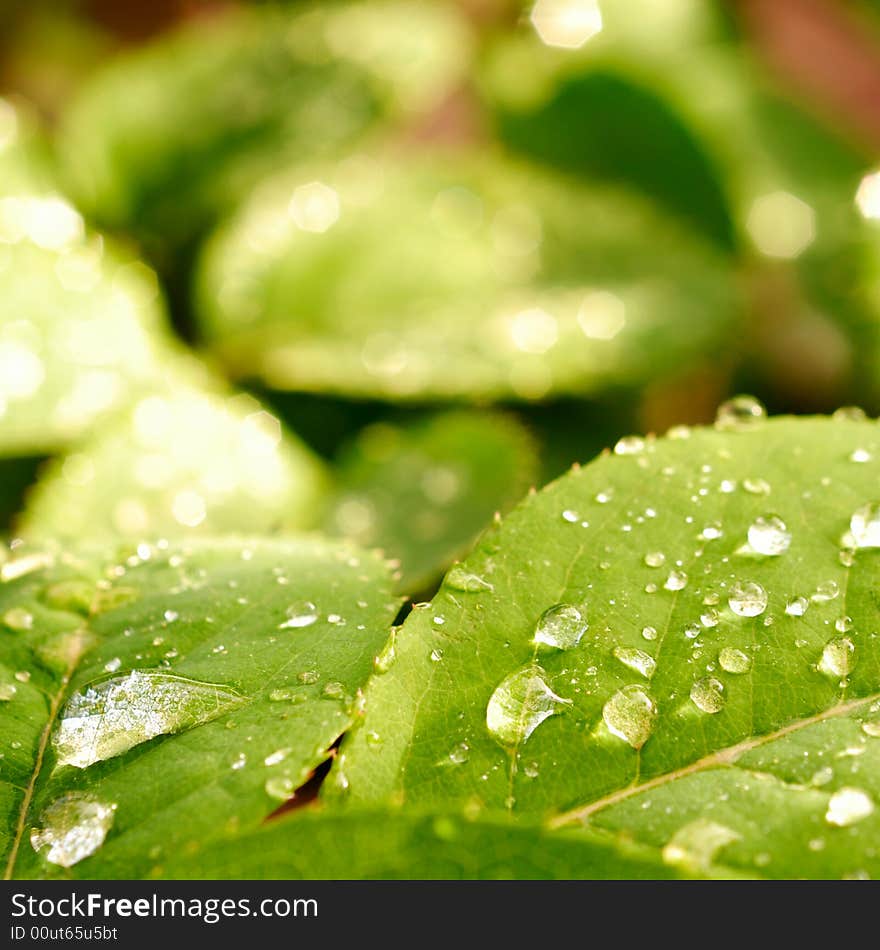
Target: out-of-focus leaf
<point x="173" y="696"/>
<point x="383" y="844"/>
<point x="80" y="329"/>
<point x="163" y="139"/>
<point x="423" y="492"/>
<point x="675" y="642"/>
<point x="24" y="161"/>
<point x="458" y="278"/>
<point x="16" y="474"/>
<point x="179" y="461"/>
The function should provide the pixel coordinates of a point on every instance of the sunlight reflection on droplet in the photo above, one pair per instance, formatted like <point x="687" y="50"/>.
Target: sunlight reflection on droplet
<point x="189" y="508"/>
<point x="868" y="196"/>
<point x="533" y="330"/>
<point x="21" y="371"/>
<point x="566" y="23"/>
<point x="314" y="207"/>
<point x="602" y="315"/>
<point x="781" y="225"/>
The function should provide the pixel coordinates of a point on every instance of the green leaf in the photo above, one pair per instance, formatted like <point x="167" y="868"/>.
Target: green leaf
<point x="177" y="461"/>
<point x="677" y="641"/>
<point x="164" y="139"/>
<point x="423" y="492"/>
<point x="467" y="278"/>
<point x="382" y="844"/>
<point x="173" y="696"/>
<point x="80" y="329"/>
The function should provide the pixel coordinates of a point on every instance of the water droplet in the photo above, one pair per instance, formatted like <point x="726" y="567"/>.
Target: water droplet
<point x="756" y="486"/>
<point x="239" y="762"/>
<point x="709" y="618"/>
<point x="531" y="770"/>
<point x="7" y="691"/>
<point x="605" y="496"/>
<point x="278" y="756"/>
<point x="459" y="754"/>
<point x="838" y="658"/>
<point x="636" y="660"/>
<point x="655" y="559"/>
<point x="865" y="526"/>
<point x="872" y="728"/>
<point x="114" y="715"/>
<point x="630" y="445"/>
<point x="734" y="661"/>
<point x="280" y="787"/>
<point x="712" y="531"/>
<point x="308" y="677"/>
<point x="797" y="606"/>
<point x="741" y="412"/>
<point x="677" y="580"/>
<point x="170" y="616"/>
<point x="707" y="695"/>
<point x="692" y="631"/>
<point x="697" y="843"/>
<point x="334" y="690"/>
<point x="630" y="715"/>
<point x="768" y="535"/>
<point x="301" y="614"/>
<point x="18" y="619"/>
<point x="747" y="599"/>
<point x="571" y="516"/>
<point x="74" y="826"/>
<point x="561" y="626"/>
<point x="520" y="703"/>
<point x="861" y="456"/>
<point x="23" y="676"/>
<point x="460" y="579"/>
<point x="843" y="624"/>
<point x="826" y="591"/>
<point x="649" y="633"/>
<point x="849" y="414"/>
<point x="436" y="656"/>
<point x="848" y="806"/>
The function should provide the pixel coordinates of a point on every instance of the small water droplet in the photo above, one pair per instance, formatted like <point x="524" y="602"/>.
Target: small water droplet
<point x="384" y="660"/>
<point x="303" y="613"/>
<point x="865" y="526"/>
<point x="861" y="456"/>
<point x="732" y="660"/>
<point x="838" y="658"/>
<point x="707" y="695"/>
<point x="872" y="728"/>
<point x="630" y="445"/>
<point x="630" y="715"/>
<point x="769" y="535"/>
<point x="603" y="497"/>
<point x="636" y="660"/>
<point x="655" y="559"/>
<point x="7" y="691"/>
<point x="278" y="756"/>
<point x="848" y="806"/>
<point x="459" y="755"/>
<point x="709" y="618"/>
<point x="239" y="762"/>
<point x="280" y="787"/>
<point x="712" y="531"/>
<point x="561" y="626"/>
<point x="747" y="599"/>
<point x="114" y="715"/>
<point x="333" y="690"/>
<point x="649" y="633"/>
<point x="797" y="606"/>
<point x="849" y="414"/>
<point x="531" y="770"/>
<point x="436" y="656"/>
<point x="460" y="579"/>
<point x="741" y="412"/>
<point x="756" y="486"/>
<point x="677" y="580"/>
<point x="170" y="616"/>
<point x="18" y="619"/>
<point x="697" y="843"/>
<point x="74" y="826"/>
<point x="826" y="591"/>
<point x="308" y="677"/>
<point x="520" y="703"/>
<point x="692" y="631"/>
<point x="571" y="516"/>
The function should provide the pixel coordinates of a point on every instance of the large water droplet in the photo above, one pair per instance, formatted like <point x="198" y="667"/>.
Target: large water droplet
<point x="734" y="661"/>
<point x="826" y="591"/>
<point x="301" y="614"/>
<point x="655" y="558"/>
<point x="677" y="580"/>
<point x="707" y="695"/>
<point x="636" y="660"/>
<point x="848" y="806"/>
<point x="114" y="715"/>
<point x="74" y="826"/>
<point x="696" y="844"/>
<point x="520" y="703"/>
<point x="838" y="658"/>
<point x="561" y="626"/>
<point x="797" y="606"/>
<point x="460" y="579"/>
<point x="768" y="535"/>
<point x="865" y="525"/>
<point x="747" y="599"/>
<point x="741" y="412"/>
<point x="630" y="715"/>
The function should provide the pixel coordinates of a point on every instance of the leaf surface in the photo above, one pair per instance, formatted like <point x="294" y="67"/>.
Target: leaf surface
<point x="176" y="695"/>
<point x="677" y="641"/>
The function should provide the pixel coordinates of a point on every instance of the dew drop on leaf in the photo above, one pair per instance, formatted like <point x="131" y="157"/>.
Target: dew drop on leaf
<point x="732" y="660"/>
<point x="696" y="844"/>
<point x="865" y="525"/>
<point x="848" y="806"/>
<point x="769" y="535"/>
<point x="649" y="633"/>
<point x="677" y="580"/>
<point x="303" y="613"/>
<point x="520" y="703"/>
<point x="655" y="559"/>
<point x="630" y="715"/>
<point x="797" y="606"/>
<point x="629" y="445"/>
<point x="280" y="787"/>
<point x="741" y="412"/>
<point x="561" y="626"/>
<point x="838" y="658"/>
<point x="460" y="579"/>
<point x="747" y="599"/>
<point x="73" y="827"/>
<point x="826" y="591"/>
<point x="7" y="691"/>
<point x="636" y="660"/>
<point x="18" y="619"/>
<point x="707" y="695"/>
<point x="114" y="715"/>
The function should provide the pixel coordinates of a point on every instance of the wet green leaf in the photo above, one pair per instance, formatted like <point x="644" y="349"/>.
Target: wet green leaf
<point x="677" y="641"/>
<point x="388" y="844"/>
<point x="177" y="461"/>
<point x="466" y="278"/>
<point x="423" y="492"/>
<point x="173" y="696"/>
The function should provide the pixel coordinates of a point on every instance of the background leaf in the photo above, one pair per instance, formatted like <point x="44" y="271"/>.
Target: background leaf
<point x="243" y="659"/>
<point x="423" y="492"/>
<point x="686" y="609"/>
